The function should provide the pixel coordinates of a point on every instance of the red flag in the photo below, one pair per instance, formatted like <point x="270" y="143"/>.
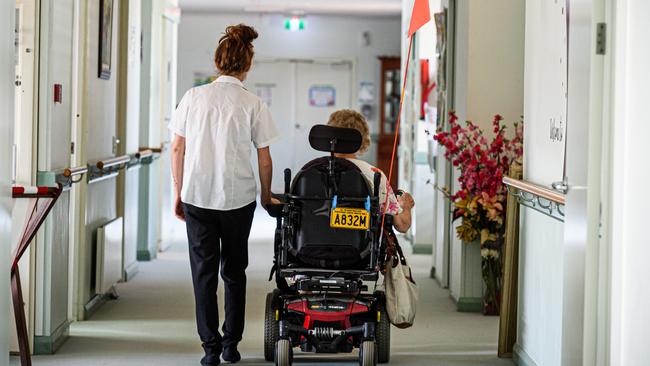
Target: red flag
<point x="420" y="16"/>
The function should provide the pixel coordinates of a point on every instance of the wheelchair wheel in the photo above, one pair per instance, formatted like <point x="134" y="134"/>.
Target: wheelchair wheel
<point x="283" y="353"/>
<point x="368" y="354"/>
<point x="271" y="326"/>
<point x="382" y="333"/>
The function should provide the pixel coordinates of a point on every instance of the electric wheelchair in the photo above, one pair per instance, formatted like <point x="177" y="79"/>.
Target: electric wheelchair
<point x="327" y="249"/>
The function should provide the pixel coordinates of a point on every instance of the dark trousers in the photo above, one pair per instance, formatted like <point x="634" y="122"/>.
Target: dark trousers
<point x="206" y="230"/>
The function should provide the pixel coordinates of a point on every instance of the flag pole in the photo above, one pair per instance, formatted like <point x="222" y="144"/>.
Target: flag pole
<point x="397" y="126"/>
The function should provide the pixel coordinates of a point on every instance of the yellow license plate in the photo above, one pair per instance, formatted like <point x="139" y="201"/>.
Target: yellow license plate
<point x="350" y="218"/>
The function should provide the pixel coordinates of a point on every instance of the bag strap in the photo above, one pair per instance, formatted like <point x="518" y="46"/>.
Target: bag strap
<point x="394" y="252"/>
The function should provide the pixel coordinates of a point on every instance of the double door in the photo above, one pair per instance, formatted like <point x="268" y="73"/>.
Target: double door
<point x="299" y="94"/>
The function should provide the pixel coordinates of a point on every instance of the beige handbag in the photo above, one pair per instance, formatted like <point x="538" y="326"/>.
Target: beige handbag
<point x="401" y="290"/>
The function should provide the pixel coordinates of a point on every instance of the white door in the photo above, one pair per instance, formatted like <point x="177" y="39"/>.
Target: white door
<point x="273" y="82"/>
<point x="321" y="88"/>
<point x="300" y="94"/>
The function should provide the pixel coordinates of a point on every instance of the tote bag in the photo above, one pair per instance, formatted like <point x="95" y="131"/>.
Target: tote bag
<point x="401" y="290"/>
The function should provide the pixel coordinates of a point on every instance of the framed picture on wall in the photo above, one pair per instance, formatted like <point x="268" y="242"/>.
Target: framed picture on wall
<point x="105" y="38"/>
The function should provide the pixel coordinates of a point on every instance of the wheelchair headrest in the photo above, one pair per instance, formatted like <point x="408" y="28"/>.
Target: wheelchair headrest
<point x="335" y="139"/>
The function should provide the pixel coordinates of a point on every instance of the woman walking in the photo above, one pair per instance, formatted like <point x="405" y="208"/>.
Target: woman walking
<point x="214" y="127"/>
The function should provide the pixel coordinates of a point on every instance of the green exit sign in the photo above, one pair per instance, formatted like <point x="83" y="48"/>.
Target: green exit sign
<point x="294" y="24"/>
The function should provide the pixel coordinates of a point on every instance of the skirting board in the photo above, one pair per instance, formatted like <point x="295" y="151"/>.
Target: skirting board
<point x="521" y="358"/>
<point x="422" y="249"/>
<point x="469" y="305"/>
<point x="146" y="255"/>
<point x="131" y="271"/>
<point x="48" y="345"/>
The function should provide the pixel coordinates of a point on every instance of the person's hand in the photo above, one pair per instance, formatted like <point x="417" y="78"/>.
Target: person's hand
<point x="269" y="200"/>
<point x="406" y="201"/>
<point x="178" y="208"/>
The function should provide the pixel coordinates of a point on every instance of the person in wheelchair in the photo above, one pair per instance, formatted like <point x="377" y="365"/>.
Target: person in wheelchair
<point x="400" y="206"/>
<point x="330" y="247"/>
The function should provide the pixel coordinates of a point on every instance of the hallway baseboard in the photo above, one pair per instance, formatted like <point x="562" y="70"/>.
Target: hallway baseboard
<point x="422" y="249"/>
<point x="521" y="358"/>
<point x="131" y="271"/>
<point x="48" y="345"/>
<point x="146" y="255"/>
<point x="469" y="305"/>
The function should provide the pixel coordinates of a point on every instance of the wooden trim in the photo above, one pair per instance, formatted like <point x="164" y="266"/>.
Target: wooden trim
<point x="509" y="294"/>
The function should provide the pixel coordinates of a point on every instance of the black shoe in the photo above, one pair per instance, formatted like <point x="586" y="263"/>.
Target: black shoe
<point x="210" y="360"/>
<point x="230" y="354"/>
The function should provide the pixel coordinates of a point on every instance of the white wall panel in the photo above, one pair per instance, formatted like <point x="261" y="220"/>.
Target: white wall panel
<point x="101" y="109"/>
<point x="56" y="68"/>
<point x="628" y="184"/>
<point x="539" y="318"/>
<point x="6" y="143"/>
<point x="323" y="37"/>
<point x="101" y="101"/>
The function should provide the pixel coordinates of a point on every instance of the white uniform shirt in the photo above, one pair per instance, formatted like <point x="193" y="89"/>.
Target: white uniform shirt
<point x="219" y="121"/>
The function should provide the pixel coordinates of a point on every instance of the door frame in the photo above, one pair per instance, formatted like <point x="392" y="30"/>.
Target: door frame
<point x="26" y="141"/>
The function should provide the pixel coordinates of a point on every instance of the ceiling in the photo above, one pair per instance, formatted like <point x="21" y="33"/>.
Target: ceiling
<point x="334" y="7"/>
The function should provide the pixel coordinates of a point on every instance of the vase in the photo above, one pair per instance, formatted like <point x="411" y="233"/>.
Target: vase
<point x="491" y="269"/>
<point x="466" y="281"/>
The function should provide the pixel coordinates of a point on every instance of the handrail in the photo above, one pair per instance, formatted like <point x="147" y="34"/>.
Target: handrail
<point x="545" y="200"/>
<point x="157" y="149"/>
<point x="67" y="177"/>
<point x="71" y="172"/>
<point x="143" y="154"/>
<point x="537" y="190"/>
<point x="109" y="163"/>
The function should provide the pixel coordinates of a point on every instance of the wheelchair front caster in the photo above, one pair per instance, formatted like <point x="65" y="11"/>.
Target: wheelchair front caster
<point x="283" y="353"/>
<point x="368" y="354"/>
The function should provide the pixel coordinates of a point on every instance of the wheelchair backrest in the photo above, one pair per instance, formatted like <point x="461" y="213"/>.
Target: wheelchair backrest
<point x="315" y="242"/>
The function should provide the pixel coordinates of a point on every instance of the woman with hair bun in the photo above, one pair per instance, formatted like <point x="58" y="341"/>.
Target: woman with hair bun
<point x="214" y="126"/>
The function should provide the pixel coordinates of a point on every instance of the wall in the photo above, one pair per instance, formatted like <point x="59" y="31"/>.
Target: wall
<point x="54" y="137"/>
<point x="100" y="126"/>
<point x="323" y="37"/>
<point x="627" y="186"/>
<point x="552" y="253"/>
<point x="129" y="126"/>
<point x="6" y="142"/>
<point x="540" y="254"/>
<point x="152" y="119"/>
<point x="488" y="79"/>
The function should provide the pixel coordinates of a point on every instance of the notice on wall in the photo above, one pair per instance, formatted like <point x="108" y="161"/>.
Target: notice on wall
<point x="202" y="78"/>
<point x="366" y="92"/>
<point x="265" y="93"/>
<point x="546" y="89"/>
<point x="322" y="96"/>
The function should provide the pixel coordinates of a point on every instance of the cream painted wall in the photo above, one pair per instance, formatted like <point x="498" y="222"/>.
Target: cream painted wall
<point x="539" y="333"/>
<point x="627" y="184"/>
<point x="6" y="142"/>
<point x="323" y="37"/>
<point x="100" y="123"/>
<point x="489" y="72"/>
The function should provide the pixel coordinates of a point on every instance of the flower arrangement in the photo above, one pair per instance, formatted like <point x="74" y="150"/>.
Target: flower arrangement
<point x="481" y="200"/>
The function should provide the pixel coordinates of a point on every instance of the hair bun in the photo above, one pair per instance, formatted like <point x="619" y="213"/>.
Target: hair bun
<point x="241" y="33"/>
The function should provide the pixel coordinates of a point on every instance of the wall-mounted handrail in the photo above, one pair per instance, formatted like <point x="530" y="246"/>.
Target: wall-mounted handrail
<point x="545" y="200"/>
<point x="70" y="176"/>
<point x="143" y="154"/>
<point x="112" y="162"/>
<point x="157" y="149"/>
<point x="536" y="189"/>
<point x="71" y="172"/>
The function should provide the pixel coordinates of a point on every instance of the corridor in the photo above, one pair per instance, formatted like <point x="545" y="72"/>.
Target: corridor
<point x="152" y="323"/>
